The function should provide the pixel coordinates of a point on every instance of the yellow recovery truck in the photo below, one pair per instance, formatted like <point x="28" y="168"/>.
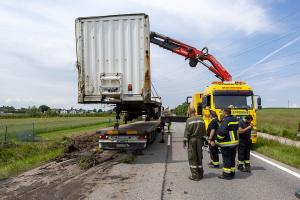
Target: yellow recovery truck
<point x="219" y="95"/>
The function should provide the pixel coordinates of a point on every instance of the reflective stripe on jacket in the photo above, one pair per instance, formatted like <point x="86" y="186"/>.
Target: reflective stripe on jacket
<point x="227" y="133"/>
<point x="194" y="128"/>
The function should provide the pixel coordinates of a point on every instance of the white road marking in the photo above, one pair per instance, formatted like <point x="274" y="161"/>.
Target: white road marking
<point x="169" y="140"/>
<point x="276" y="165"/>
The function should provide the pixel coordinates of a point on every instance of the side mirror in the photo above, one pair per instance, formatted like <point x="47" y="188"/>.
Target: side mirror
<point x="199" y="109"/>
<point x="259" y="103"/>
<point x="187" y="99"/>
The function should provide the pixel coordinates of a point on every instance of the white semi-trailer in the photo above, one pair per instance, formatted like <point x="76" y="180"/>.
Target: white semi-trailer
<point x="113" y="62"/>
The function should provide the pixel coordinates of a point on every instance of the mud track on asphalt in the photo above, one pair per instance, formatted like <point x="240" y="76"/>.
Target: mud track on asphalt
<point x="70" y="176"/>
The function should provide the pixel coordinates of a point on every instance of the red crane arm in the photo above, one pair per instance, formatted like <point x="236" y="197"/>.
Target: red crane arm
<point x="194" y="55"/>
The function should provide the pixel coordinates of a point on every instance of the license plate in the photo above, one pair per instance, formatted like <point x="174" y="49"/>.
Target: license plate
<point x="124" y="138"/>
<point x="118" y="138"/>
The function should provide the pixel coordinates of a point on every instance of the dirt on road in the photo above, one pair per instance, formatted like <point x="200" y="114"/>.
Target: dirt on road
<point x="70" y="176"/>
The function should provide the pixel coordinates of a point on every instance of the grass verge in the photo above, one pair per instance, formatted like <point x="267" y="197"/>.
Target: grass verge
<point x="19" y="157"/>
<point x="279" y="121"/>
<point x="283" y="153"/>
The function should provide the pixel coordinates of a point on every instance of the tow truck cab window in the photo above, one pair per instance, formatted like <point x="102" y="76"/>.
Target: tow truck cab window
<point x="242" y="99"/>
<point x="206" y="101"/>
<point x="199" y="109"/>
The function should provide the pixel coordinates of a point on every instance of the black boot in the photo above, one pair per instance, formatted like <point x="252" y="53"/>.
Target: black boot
<point x="248" y="168"/>
<point x="194" y="178"/>
<point x="232" y="174"/>
<point x="225" y="176"/>
<point x="200" y="172"/>
<point x="240" y="167"/>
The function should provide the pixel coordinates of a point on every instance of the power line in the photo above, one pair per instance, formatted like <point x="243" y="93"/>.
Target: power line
<point x="280" y="66"/>
<point x="272" y="24"/>
<point x="265" y="42"/>
<point x="284" y="56"/>
<point x="291" y="42"/>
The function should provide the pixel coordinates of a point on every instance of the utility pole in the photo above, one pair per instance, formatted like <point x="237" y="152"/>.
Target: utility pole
<point x="288" y="103"/>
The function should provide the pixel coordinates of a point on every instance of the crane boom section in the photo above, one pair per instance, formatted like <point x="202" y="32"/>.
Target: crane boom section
<point x="193" y="54"/>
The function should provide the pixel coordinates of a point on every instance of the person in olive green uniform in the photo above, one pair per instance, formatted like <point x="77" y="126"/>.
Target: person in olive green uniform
<point x="194" y="131"/>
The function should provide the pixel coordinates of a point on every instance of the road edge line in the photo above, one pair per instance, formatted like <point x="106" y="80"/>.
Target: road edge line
<point x="162" y="194"/>
<point x="276" y="165"/>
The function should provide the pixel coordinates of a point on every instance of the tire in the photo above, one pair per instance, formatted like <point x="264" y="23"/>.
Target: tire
<point x="147" y="118"/>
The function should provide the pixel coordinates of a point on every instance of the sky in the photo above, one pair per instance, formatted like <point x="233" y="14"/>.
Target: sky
<point x="256" y="41"/>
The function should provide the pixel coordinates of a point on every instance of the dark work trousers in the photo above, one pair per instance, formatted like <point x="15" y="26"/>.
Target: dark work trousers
<point x="214" y="155"/>
<point x="244" y="152"/>
<point x="228" y="154"/>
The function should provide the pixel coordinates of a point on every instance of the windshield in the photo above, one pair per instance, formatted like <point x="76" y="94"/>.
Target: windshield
<point x="233" y="102"/>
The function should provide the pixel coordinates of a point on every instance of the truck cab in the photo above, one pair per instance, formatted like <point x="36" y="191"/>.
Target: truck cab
<point x="219" y="95"/>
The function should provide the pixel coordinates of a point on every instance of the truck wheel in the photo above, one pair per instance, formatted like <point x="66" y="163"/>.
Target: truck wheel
<point x="125" y="119"/>
<point x="116" y="126"/>
<point x="147" y="118"/>
<point x="150" y="138"/>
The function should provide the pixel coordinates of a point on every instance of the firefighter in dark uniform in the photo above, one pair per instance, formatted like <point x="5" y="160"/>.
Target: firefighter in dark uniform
<point x="244" y="144"/>
<point x="194" y="131"/>
<point x="211" y="134"/>
<point x="227" y="139"/>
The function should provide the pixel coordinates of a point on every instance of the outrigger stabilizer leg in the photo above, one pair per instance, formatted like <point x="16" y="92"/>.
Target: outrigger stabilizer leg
<point x="117" y="124"/>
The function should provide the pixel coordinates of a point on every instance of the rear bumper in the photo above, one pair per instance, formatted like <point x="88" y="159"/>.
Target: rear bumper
<point x="130" y="145"/>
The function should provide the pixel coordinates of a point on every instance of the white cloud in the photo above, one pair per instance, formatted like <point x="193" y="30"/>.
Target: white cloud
<point x="37" y="48"/>
<point x="212" y="17"/>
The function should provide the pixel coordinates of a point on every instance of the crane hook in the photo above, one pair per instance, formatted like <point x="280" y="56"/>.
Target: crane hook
<point x="205" y="51"/>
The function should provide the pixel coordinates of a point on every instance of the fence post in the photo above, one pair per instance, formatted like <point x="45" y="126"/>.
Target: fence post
<point x="5" y="136"/>
<point x="33" y="130"/>
<point x="298" y="134"/>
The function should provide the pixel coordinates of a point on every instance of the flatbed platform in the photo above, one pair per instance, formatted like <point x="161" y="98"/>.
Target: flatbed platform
<point x="133" y="136"/>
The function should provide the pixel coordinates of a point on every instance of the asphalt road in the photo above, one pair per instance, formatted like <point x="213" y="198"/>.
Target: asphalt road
<point x="162" y="173"/>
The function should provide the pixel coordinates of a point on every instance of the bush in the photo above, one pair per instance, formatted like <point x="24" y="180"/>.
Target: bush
<point x="181" y="109"/>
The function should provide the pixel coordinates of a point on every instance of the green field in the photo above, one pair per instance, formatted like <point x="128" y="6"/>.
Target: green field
<point x="40" y="126"/>
<point x="279" y="121"/>
<point x="17" y="156"/>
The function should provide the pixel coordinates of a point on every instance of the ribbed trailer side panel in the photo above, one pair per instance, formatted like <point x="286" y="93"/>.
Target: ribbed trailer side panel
<point x="113" y="58"/>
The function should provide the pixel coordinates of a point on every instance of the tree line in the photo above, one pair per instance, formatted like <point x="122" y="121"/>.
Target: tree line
<point x="44" y="110"/>
<point x="181" y="109"/>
